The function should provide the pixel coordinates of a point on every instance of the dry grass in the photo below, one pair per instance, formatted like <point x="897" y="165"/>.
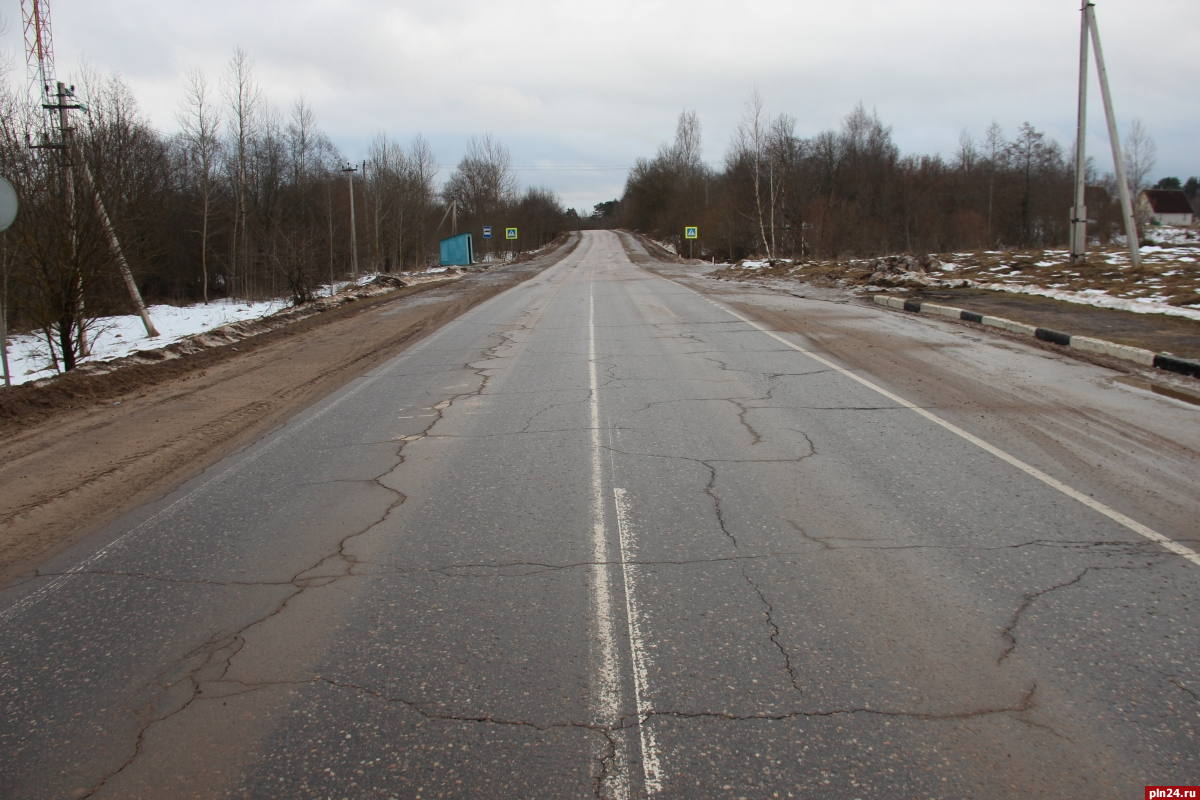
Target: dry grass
<point x="1169" y="272"/>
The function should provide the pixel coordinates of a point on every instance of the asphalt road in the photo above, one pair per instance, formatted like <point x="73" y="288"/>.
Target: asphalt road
<point x="604" y="535"/>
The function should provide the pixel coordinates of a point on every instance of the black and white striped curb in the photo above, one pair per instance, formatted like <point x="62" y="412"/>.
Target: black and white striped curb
<point x="1147" y="358"/>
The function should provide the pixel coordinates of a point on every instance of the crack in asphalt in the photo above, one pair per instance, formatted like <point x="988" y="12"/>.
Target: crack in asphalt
<point x="708" y="461"/>
<point x="1171" y="679"/>
<point x="1045" y="727"/>
<point x="1025" y="705"/>
<point x="755" y="437"/>
<point x="710" y="490"/>
<point x="721" y="365"/>
<point x="1007" y="630"/>
<point x="607" y="764"/>
<point x="787" y="657"/>
<point x="529" y="422"/>
<point x="202" y="659"/>
<point x="539" y="568"/>
<point x="164" y="681"/>
<point x="450" y="571"/>
<point x="1118" y="547"/>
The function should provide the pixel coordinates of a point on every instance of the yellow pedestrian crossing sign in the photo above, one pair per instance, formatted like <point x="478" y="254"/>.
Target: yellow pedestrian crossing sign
<point x="691" y="232"/>
<point x="510" y="233"/>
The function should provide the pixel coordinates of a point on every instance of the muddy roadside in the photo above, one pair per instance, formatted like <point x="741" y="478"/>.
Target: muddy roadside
<point x="77" y="454"/>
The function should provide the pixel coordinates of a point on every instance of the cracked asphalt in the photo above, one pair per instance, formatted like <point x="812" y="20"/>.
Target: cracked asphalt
<point x="600" y="538"/>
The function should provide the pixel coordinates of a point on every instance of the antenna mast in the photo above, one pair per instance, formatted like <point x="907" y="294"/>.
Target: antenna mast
<point x="39" y="53"/>
<point x="55" y="97"/>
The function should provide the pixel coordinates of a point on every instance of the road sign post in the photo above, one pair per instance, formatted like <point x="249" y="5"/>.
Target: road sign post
<point x="691" y="233"/>
<point x="510" y="234"/>
<point x="487" y="239"/>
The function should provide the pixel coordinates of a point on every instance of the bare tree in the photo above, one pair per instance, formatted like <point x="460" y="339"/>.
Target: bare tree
<point x="243" y="97"/>
<point x="750" y="144"/>
<point x="1027" y="152"/>
<point x="1141" y="154"/>
<point x="201" y="125"/>
<point x="483" y="180"/>
<point x="994" y="145"/>
<point x="382" y="185"/>
<point x="686" y="151"/>
<point x="419" y="193"/>
<point x="968" y="152"/>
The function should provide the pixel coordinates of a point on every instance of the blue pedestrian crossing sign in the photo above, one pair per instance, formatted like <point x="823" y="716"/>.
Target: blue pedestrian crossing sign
<point x="510" y="233"/>
<point x="487" y="231"/>
<point x="691" y="232"/>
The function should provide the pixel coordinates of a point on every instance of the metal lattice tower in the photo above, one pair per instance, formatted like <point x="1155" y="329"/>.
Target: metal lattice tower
<point x="39" y="52"/>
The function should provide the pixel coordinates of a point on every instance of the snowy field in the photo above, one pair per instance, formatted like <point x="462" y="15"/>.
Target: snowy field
<point x="114" y="337"/>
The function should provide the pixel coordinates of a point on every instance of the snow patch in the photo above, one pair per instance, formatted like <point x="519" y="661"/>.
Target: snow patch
<point x="1100" y="299"/>
<point x="115" y="337"/>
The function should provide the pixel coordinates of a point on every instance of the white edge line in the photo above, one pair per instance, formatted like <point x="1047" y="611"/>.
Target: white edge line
<point x="1090" y="502"/>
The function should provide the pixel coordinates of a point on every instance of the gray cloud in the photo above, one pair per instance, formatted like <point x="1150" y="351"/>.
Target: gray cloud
<point x="587" y="83"/>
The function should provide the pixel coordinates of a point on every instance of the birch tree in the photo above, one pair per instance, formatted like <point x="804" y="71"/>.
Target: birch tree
<point x="242" y="96"/>
<point x="200" y="122"/>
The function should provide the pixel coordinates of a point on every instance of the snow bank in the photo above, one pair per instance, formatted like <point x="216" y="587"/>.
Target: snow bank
<point x="1098" y="298"/>
<point x="114" y="337"/>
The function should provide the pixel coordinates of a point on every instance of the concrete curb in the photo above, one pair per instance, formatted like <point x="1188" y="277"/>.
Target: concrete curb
<point x="1147" y="358"/>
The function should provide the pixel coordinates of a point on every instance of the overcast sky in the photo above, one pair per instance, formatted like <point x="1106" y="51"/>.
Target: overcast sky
<point x="601" y="83"/>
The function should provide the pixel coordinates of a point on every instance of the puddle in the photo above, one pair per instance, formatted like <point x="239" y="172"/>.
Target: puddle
<point x="1165" y="391"/>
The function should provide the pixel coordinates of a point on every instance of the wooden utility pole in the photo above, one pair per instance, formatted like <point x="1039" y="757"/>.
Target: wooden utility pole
<point x="350" y="170"/>
<point x="62" y="95"/>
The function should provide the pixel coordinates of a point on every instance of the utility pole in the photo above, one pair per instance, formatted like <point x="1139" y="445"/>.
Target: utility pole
<point x="70" y="152"/>
<point x="1078" y="241"/>
<point x="350" y="170"/>
<point x="62" y="94"/>
<point x="1079" y="216"/>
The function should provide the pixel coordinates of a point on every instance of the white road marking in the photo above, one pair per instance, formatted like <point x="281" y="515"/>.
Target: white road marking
<point x="651" y="763"/>
<point x="1090" y="502"/>
<point x="609" y="688"/>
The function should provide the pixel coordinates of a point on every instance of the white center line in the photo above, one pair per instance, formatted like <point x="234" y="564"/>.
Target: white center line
<point x="651" y="764"/>
<point x="652" y="773"/>
<point x="609" y="689"/>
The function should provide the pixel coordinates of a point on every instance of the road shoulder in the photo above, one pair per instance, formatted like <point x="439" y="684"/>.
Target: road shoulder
<point x="66" y="471"/>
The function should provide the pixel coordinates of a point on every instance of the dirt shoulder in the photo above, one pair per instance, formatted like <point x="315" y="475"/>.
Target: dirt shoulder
<point x="76" y="455"/>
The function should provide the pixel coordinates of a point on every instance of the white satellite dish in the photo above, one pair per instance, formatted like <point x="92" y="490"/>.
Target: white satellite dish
<point x="8" y="204"/>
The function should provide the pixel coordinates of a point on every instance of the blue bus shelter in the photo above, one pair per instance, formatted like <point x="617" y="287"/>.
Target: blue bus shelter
<point x="458" y="251"/>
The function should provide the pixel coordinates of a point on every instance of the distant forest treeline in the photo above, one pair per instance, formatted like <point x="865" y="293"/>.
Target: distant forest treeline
<point x="243" y="202"/>
<point x="850" y="192"/>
